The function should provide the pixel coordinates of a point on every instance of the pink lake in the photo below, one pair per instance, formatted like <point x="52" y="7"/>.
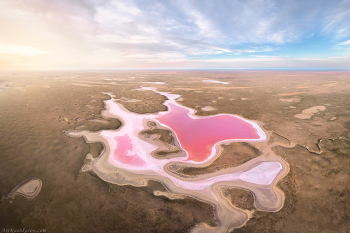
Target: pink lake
<point x="134" y="164"/>
<point x="127" y="152"/>
<point x="197" y="136"/>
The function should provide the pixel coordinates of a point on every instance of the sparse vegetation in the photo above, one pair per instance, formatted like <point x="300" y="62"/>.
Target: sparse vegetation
<point x="37" y="108"/>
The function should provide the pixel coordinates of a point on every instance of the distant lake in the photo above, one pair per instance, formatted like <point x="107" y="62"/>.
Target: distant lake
<point x="214" y="81"/>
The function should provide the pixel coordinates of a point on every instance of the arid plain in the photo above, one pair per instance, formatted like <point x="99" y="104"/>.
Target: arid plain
<point x="305" y="114"/>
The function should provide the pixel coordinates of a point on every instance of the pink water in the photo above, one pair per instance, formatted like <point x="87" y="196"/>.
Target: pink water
<point x="198" y="136"/>
<point x="126" y="152"/>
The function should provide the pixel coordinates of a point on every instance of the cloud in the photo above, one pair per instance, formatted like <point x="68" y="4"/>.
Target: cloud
<point x="345" y="43"/>
<point x="101" y="33"/>
<point x="129" y="39"/>
<point x="20" y="51"/>
<point x="252" y="50"/>
<point x="341" y="58"/>
<point x="263" y="56"/>
<point x="336" y="20"/>
<point x="344" y="47"/>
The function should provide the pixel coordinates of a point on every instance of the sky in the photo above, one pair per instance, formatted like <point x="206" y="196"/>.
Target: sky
<point x="174" y="34"/>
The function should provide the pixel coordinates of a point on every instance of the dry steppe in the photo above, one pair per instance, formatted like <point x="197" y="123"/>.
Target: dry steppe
<point x="36" y="108"/>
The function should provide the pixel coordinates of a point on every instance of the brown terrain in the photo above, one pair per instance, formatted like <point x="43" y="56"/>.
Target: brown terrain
<point x="37" y="107"/>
